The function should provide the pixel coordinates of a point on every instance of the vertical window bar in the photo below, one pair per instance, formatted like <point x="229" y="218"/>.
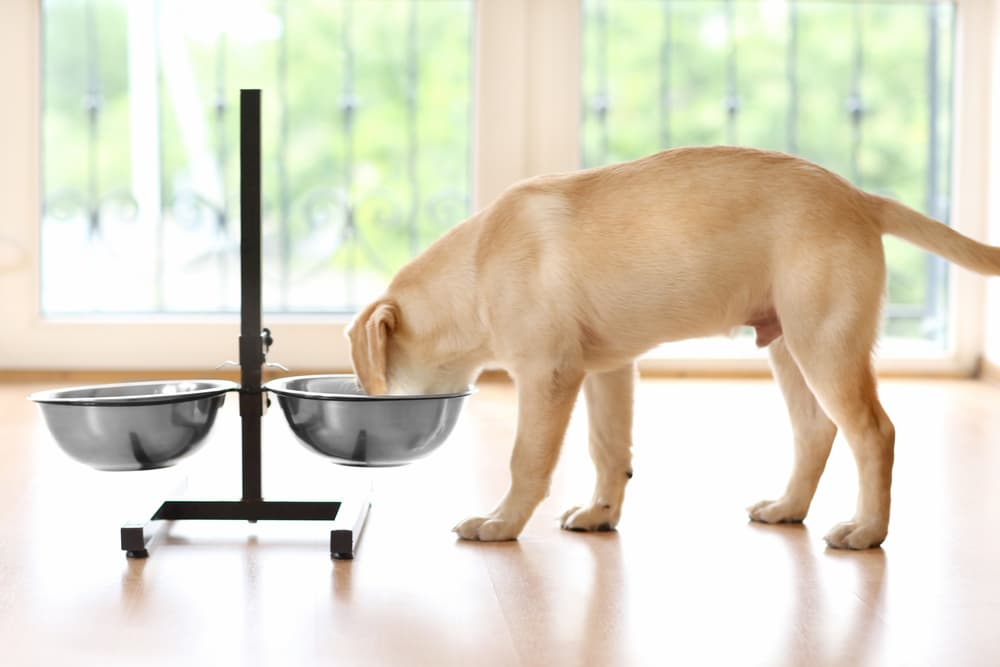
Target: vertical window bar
<point x="222" y="157"/>
<point x="855" y="105"/>
<point x="732" y="102"/>
<point x="665" y="53"/>
<point x="601" y="101"/>
<point x="221" y="145"/>
<point x="934" y="264"/>
<point x="284" y="235"/>
<point x="95" y="207"/>
<point x="160" y="268"/>
<point x="412" y="78"/>
<point x="92" y="107"/>
<point x="348" y="106"/>
<point x="792" y="68"/>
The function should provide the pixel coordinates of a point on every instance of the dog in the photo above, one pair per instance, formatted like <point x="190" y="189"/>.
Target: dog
<point x="566" y="279"/>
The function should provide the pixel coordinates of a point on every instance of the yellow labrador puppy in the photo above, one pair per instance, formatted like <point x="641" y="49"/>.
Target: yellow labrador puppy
<point x="566" y="279"/>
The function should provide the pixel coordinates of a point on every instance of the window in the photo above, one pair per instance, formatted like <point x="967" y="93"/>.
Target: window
<point x="367" y="141"/>
<point x="864" y="89"/>
<point x="504" y="90"/>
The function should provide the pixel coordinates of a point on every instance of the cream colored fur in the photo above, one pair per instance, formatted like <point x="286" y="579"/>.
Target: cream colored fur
<point x="565" y="279"/>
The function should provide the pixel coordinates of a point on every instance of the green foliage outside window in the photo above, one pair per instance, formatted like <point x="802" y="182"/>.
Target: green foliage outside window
<point x="662" y="72"/>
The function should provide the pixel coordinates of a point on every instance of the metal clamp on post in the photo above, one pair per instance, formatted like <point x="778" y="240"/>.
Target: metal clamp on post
<point x="266" y="341"/>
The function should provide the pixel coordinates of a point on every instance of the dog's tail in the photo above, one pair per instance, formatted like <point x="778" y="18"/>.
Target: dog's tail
<point x="940" y="239"/>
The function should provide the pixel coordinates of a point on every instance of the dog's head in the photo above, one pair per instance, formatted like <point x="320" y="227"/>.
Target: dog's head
<point x="371" y="335"/>
<point x="387" y="358"/>
<point x="390" y="357"/>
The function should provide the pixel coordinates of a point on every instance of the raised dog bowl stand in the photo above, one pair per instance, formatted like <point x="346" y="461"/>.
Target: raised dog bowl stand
<point x="148" y="425"/>
<point x="347" y="516"/>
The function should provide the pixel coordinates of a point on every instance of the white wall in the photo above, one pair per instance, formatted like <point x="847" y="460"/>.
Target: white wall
<point x="19" y="163"/>
<point x="991" y="339"/>
<point x="528" y="93"/>
<point x="975" y="45"/>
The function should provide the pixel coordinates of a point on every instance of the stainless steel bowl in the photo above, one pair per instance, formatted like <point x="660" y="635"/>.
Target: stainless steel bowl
<point x="133" y="425"/>
<point x="333" y="416"/>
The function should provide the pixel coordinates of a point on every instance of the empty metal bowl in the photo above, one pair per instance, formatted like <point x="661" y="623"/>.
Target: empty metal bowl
<point x="333" y="416"/>
<point x="133" y="425"/>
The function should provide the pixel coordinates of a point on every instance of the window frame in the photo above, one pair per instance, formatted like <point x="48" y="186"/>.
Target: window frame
<point x="526" y="121"/>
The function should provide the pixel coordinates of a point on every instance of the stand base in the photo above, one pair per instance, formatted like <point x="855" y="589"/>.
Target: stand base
<point x="348" y="519"/>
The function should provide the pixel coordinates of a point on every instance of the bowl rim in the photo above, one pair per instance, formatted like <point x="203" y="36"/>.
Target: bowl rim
<point x="280" y="387"/>
<point x="52" y="396"/>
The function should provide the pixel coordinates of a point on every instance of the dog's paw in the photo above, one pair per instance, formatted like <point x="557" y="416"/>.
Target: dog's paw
<point x="588" y="519"/>
<point x="486" y="529"/>
<point x="856" y="535"/>
<point x="777" y="511"/>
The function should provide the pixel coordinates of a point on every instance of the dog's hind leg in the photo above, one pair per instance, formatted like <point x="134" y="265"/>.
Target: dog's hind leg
<point x="545" y="401"/>
<point x="609" y="412"/>
<point x="813" y="437"/>
<point x="833" y="350"/>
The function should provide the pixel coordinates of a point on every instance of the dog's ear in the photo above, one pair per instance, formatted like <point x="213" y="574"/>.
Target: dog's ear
<point x="369" y="335"/>
<point x="380" y="326"/>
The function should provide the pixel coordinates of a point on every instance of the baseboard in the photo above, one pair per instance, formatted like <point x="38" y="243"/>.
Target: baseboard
<point x="100" y="375"/>
<point x="97" y="376"/>
<point x="989" y="371"/>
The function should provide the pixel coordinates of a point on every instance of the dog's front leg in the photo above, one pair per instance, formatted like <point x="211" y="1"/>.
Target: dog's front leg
<point x="544" y="404"/>
<point x="609" y="412"/>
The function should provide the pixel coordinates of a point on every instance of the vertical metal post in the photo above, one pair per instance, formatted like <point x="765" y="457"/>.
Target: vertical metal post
<point x="251" y="347"/>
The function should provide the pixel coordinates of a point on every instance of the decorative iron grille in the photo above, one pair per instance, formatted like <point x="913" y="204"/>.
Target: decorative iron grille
<point x="367" y="134"/>
<point x="863" y="88"/>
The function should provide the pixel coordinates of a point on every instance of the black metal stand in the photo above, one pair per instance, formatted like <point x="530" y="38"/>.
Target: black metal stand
<point x="348" y="517"/>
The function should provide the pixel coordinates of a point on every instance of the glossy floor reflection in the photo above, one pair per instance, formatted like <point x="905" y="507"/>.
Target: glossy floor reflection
<point x="686" y="580"/>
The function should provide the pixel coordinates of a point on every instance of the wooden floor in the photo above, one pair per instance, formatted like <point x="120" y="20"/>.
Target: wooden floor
<point x="686" y="580"/>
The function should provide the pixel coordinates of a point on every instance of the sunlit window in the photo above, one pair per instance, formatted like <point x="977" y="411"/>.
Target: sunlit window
<point x="862" y="88"/>
<point x="366" y="130"/>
